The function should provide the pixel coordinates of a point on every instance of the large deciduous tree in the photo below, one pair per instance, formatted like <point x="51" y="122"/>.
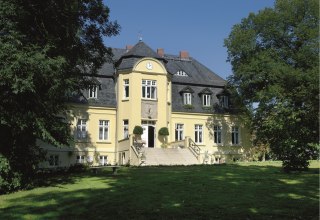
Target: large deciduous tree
<point x="275" y="60"/>
<point x="46" y="49"/>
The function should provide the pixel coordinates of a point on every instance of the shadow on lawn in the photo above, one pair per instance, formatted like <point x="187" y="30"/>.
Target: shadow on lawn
<point x="196" y="192"/>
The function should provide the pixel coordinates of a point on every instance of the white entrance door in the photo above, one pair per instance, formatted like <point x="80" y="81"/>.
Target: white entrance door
<point x="144" y="136"/>
<point x="148" y="135"/>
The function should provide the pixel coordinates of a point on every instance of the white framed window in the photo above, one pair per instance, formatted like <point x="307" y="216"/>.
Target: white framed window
<point x="224" y="101"/>
<point x="93" y="92"/>
<point x="187" y="98"/>
<point x="103" y="129"/>
<point x="149" y="89"/>
<point x="217" y="134"/>
<point x="125" y="129"/>
<point x="235" y="135"/>
<point x="179" y="132"/>
<point x="80" y="159"/>
<point x="181" y="73"/>
<point x="103" y="160"/>
<point x="126" y="88"/>
<point x="54" y="160"/>
<point x="82" y="129"/>
<point x="206" y="100"/>
<point x="198" y="134"/>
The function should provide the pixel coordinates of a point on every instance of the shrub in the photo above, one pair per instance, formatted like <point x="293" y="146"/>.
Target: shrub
<point x="138" y="130"/>
<point x="9" y="180"/>
<point x="164" y="131"/>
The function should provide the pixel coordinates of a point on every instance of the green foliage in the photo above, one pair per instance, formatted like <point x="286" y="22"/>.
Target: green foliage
<point x="47" y="50"/>
<point x="9" y="180"/>
<point x="164" y="131"/>
<point x="275" y="60"/>
<point x="138" y="130"/>
<point x="61" y="196"/>
<point x="188" y="107"/>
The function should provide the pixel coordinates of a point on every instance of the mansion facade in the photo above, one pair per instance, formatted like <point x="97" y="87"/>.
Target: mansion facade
<point x="151" y="89"/>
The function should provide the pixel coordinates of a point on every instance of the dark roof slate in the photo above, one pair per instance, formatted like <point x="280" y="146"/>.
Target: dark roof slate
<point x="200" y="79"/>
<point x="106" y="94"/>
<point x="196" y="100"/>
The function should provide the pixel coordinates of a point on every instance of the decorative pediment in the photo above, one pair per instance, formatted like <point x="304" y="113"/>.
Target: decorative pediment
<point x="205" y="91"/>
<point x="186" y="90"/>
<point x="223" y="92"/>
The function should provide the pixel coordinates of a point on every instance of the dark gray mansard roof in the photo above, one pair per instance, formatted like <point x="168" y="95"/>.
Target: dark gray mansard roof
<point x="198" y="77"/>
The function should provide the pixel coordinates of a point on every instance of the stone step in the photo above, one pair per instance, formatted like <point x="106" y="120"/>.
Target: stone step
<point x="169" y="156"/>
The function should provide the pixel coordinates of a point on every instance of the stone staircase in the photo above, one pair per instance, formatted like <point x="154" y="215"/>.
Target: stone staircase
<point x="169" y="156"/>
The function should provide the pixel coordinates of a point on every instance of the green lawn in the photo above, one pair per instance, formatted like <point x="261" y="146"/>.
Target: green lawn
<point x="235" y="191"/>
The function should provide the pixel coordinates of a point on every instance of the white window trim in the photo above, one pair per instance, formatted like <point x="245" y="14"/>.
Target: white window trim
<point x="125" y="126"/>
<point x="206" y="100"/>
<point x="221" y="133"/>
<point x="81" y="125"/>
<point x="187" y="98"/>
<point x="198" y="133"/>
<point x="232" y="133"/>
<point x="103" y="126"/>
<point x="103" y="160"/>
<point x="149" y="84"/>
<point x="55" y="162"/>
<point x="126" y="83"/>
<point x="93" y="94"/>
<point x="181" y="73"/>
<point x="224" y="101"/>
<point x="81" y="159"/>
<point x="177" y="129"/>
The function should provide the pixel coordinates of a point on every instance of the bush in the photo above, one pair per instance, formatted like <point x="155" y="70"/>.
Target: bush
<point x="9" y="180"/>
<point x="164" y="131"/>
<point x="138" y="130"/>
<point x="78" y="167"/>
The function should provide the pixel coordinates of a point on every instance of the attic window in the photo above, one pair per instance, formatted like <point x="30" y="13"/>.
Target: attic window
<point x="181" y="73"/>
<point x="93" y="92"/>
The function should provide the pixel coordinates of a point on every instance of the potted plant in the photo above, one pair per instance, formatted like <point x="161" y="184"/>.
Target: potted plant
<point x="138" y="131"/>
<point x="164" y="132"/>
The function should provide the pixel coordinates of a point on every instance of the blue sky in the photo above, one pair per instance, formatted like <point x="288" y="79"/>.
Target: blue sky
<point x="199" y="27"/>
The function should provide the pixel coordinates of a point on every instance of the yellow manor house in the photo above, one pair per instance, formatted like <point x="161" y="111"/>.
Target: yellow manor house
<point x="156" y="91"/>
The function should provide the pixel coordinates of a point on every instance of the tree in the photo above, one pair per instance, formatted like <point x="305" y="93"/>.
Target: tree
<point x="47" y="51"/>
<point x="275" y="60"/>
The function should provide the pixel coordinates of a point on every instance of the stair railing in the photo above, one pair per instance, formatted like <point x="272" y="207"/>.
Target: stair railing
<point x="195" y="149"/>
<point x="137" y="148"/>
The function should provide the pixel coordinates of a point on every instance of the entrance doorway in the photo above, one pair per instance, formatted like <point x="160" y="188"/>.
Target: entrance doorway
<point x="148" y="134"/>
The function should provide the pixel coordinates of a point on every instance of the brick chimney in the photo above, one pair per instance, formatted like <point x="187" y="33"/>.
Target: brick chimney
<point x="128" y="47"/>
<point x="184" y="54"/>
<point x="160" y="52"/>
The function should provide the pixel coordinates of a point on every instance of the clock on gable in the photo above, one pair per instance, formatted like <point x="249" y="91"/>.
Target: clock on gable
<point x="149" y="65"/>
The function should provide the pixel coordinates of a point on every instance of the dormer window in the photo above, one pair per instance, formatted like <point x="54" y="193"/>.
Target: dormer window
<point x="187" y="98"/>
<point x="181" y="73"/>
<point x="206" y="98"/>
<point x="205" y="95"/>
<point x="93" y="92"/>
<point x="224" y="101"/>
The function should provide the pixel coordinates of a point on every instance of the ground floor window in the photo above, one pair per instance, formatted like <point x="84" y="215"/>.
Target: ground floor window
<point x="125" y="129"/>
<point x="80" y="159"/>
<point x="82" y="129"/>
<point x="198" y="134"/>
<point x="54" y="160"/>
<point x="217" y="134"/>
<point x="103" y="160"/>
<point x="103" y="129"/>
<point x="179" y="132"/>
<point x="235" y="135"/>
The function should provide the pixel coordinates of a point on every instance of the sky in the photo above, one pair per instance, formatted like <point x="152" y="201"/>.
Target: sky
<point x="197" y="26"/>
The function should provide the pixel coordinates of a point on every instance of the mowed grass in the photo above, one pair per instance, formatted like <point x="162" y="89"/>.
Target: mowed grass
<point x="235" y="191"/>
